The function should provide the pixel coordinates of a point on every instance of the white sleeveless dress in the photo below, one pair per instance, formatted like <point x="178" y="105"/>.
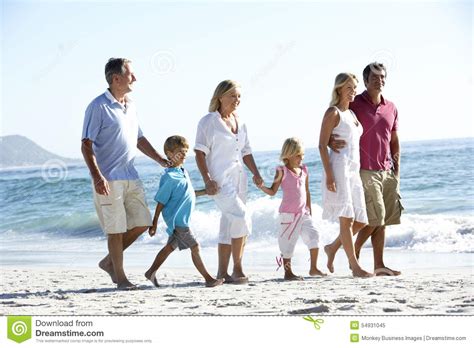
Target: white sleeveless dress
<point x="348" y="200"/>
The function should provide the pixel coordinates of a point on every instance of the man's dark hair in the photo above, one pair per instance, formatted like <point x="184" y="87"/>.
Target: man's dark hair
<point x="376" y="68"/>
<point x="115" y="66"/>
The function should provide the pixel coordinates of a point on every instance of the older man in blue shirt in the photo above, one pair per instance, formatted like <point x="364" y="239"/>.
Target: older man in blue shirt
<point x="110" y="138"/>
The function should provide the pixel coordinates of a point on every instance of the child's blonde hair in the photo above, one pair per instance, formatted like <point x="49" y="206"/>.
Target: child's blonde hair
<point x="291" y="147"/>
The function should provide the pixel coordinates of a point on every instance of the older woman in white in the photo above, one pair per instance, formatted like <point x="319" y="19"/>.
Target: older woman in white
<point x="222" y="149"/>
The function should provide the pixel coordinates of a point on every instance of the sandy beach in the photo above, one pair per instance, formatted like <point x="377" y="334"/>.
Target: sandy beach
<point x="48" y="291"/>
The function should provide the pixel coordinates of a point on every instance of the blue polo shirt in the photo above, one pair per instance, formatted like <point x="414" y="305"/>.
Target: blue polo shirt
<point x="114" y="131"/>
<point x="176" y="193"/>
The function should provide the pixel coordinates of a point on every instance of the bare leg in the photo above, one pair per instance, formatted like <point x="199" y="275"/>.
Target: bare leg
<point x="378" y="244"/>
<point x="289" y="275"/>
<point x="362" y="237"/>
<point x="114" y="243"/>
<point x="210" y="282"/>
<point x="224" y="251"/>
<point x="331" y="249"/>
<point x="313" y="270"/>
<point x="159" y="259"/>
<point x="348" y="244"/>
<point x="237" y="254"/>
<point x="127" y="239"/>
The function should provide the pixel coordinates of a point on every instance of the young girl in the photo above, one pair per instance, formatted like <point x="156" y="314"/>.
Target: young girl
<point x="343" y="194"/>
<point x="295" y="208"/>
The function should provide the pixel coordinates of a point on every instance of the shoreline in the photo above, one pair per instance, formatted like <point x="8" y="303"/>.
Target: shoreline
<point x="140" y="256"/>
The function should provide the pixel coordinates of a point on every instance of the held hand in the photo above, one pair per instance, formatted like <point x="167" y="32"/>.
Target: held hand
<point x="164" y="163"/>
<point x="101" y="186"/>
<point x="152" y="230"/>
<point x="258" y="181"/>
<point x="211" y="187"/>
<point x="330" y="183"/>
<point x="336" y="144"/>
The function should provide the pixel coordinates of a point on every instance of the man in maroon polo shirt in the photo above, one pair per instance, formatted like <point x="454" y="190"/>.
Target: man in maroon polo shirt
<point x="379" y="162"/>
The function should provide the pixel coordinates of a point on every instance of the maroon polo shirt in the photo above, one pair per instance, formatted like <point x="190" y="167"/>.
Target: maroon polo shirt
<point x="378" y="121"/>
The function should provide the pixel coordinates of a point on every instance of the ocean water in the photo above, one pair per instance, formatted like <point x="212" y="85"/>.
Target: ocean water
<point x="48" y="216"/>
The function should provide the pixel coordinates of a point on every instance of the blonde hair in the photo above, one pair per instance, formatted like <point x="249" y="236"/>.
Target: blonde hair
<point x="174" y="142"/>
<point x="222" y="89"/>
<point x="341" y="80"/>
<point x="291" y="147"/>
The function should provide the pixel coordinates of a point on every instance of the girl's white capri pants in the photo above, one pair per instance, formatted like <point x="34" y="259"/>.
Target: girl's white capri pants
<point x="291" y="227"/>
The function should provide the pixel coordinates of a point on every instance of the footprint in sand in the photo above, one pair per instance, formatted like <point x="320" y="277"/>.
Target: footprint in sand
<point x="345" y="300"/>
<point x="318" y="300"/>
<point x="400" y="300"/>
<point x="240" y="303"/>
<point x="458" y="310"/>
<point x="59" y="297"/>
<point x="346" y="307"/>
<point x="182" y="300"/>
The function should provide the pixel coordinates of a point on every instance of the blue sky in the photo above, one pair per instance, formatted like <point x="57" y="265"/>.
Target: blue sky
<point x="285" y="55"/>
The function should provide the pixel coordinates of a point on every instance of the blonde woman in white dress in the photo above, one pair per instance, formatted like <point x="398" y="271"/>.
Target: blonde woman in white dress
<point x="222" y="150"/>
<point x="343" y="193"/>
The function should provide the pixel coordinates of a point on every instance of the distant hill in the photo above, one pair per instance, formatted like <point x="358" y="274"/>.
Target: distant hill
<point x="19" y="151"/>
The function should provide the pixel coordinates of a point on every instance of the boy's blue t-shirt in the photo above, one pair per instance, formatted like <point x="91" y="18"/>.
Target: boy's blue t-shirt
<point x="177" y="195"/>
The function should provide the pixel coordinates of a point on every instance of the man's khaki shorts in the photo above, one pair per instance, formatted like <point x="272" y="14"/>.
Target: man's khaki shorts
<point x="123" y="208"/>
<point x="382" y="197"/>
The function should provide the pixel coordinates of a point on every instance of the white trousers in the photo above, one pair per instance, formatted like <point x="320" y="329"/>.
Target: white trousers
<point x="235" y="219"/>
<point x="291" y="227"/>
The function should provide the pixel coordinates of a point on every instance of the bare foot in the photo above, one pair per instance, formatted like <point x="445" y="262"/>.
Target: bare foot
<point x="109" y="268"/>
<point x="331" y="255"/>
<point x="292" y="276"/>
<point x="126" y="285"/>
<point x="239" y="278"/>
<point x="214" y="282"/>
<point x="316" y="272"/>
<point x="385" y="271"/>
<point x="152" y="278"/>
<point x="227" y="278"/>
<point x="360" y="273"/>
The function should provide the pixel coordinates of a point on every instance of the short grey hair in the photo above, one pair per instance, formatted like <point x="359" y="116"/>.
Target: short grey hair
<point x="115" y="66"/>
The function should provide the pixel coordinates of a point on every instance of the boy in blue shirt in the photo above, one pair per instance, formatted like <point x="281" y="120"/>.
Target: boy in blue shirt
<point x="175" y="200"/>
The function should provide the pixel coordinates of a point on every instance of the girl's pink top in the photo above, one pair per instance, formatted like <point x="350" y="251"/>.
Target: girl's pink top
<point x="294" y="190"/>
